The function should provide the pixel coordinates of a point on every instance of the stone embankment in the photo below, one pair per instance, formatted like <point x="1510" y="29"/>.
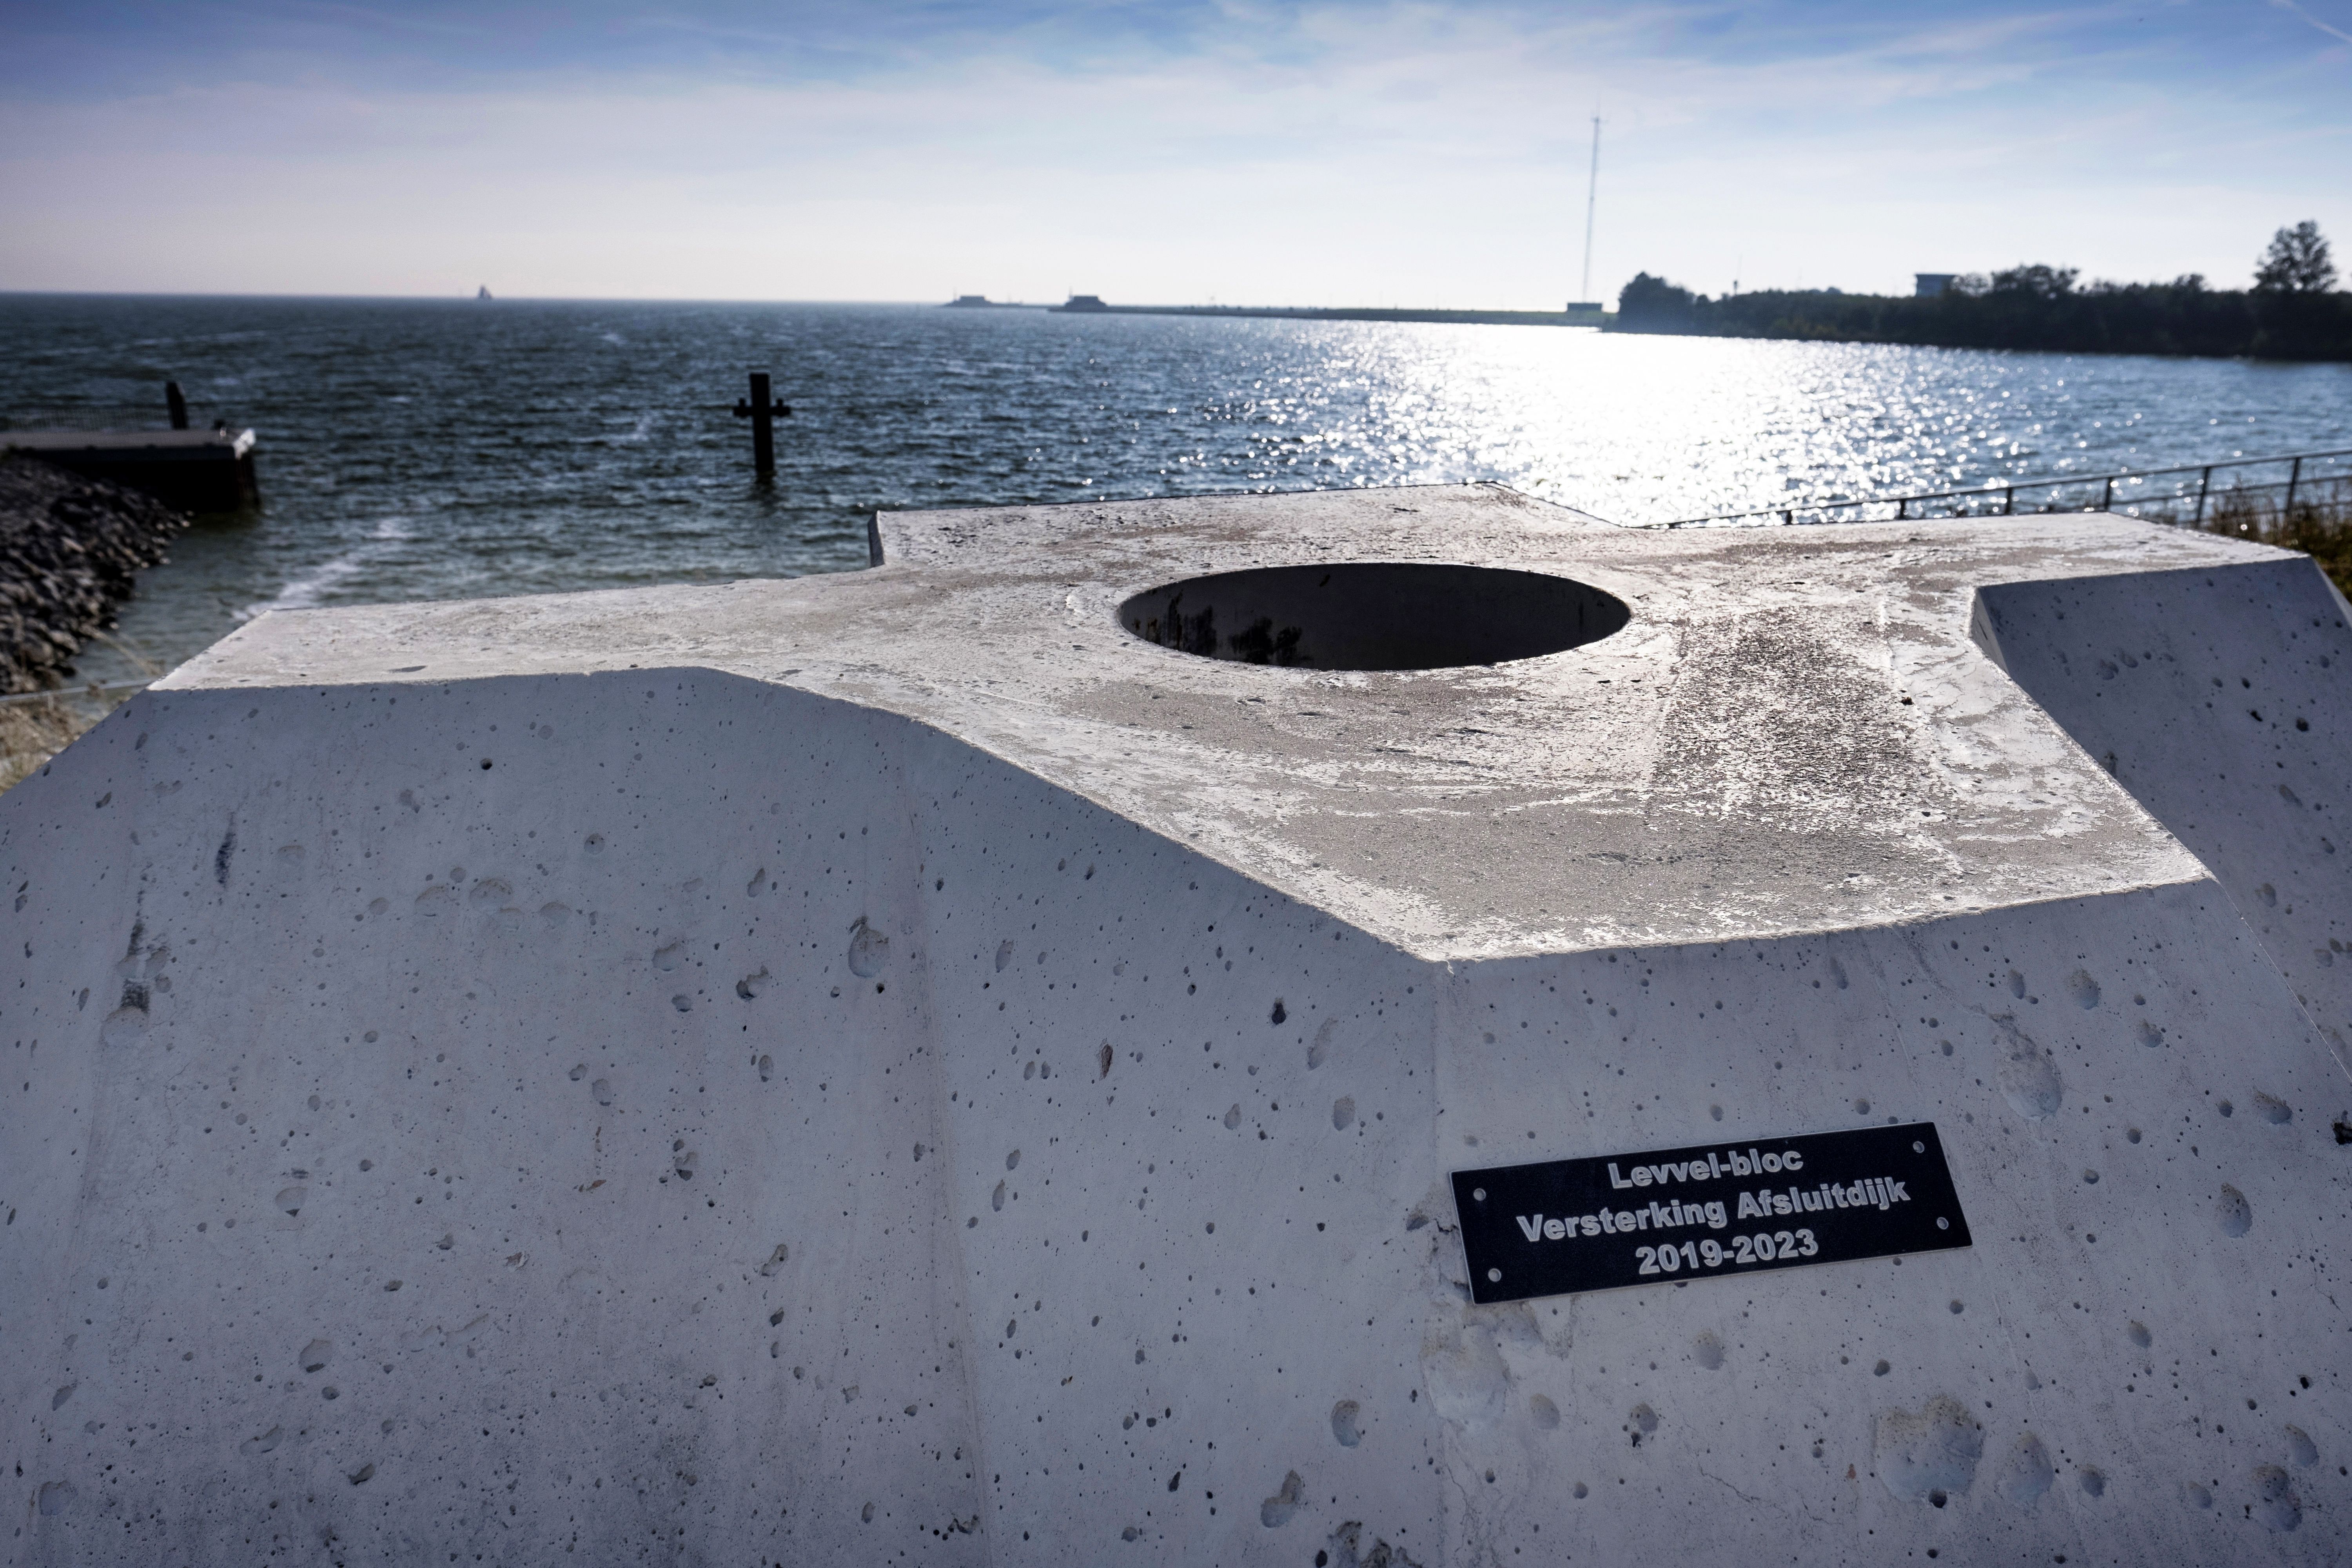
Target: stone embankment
<point x="69" y="550"/>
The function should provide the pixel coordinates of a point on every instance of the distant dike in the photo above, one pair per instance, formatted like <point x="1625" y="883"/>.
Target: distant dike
<point x="1090" y="305"/>
<point x="2183" y="318"/>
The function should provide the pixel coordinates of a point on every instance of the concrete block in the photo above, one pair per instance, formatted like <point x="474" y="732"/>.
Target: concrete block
<point x="902" y="1064"/>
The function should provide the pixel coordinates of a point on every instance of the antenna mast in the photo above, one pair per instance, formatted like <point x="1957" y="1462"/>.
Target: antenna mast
<point x="1591" y="189"/>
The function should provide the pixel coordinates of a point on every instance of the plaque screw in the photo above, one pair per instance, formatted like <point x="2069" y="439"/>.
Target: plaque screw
<point x="1494" y="1277"/>
<point x="1479" y="1193"/>
<point x="1943" y="1225"/>
<point x="1918" y="1148"/>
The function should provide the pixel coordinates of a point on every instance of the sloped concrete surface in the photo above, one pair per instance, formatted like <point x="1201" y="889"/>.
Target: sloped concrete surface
<point x="894" y="1068"/>
<point x="2217" y="700"/>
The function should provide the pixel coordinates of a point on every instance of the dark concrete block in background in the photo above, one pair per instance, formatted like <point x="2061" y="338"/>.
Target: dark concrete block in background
<point x="201" y="470"/>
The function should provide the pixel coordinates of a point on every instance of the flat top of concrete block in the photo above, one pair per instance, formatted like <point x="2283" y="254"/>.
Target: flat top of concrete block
<point x="1792" y="730"/>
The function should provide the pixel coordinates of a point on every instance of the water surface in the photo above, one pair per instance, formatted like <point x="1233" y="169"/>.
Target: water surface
<point x="443" y="449"/>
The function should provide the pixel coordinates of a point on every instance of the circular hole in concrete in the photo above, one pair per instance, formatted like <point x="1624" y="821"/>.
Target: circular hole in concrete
<point x="1374" y="615"/>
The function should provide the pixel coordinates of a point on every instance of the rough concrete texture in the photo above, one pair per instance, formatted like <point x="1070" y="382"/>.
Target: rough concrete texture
<point x="893" y="1067"/>
<point x="2217" y="699"/>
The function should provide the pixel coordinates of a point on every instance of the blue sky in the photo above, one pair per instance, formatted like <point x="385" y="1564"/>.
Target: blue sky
<point x="1414" y="153"/>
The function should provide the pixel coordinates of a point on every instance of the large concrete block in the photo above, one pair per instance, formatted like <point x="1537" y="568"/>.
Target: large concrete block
<point x="905" y="1066"/>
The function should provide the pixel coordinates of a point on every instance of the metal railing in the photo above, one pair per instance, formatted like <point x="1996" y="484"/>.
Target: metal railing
<point x="2177" y="495"/>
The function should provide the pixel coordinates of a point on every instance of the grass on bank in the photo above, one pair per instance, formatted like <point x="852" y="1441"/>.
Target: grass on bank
<point x="2320" y="526"/>
<point x="35" y="728"/>
<point x="37" y="725"/>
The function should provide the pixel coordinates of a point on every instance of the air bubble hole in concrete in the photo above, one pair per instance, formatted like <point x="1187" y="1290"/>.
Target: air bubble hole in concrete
<point x="1346" y="1422"/>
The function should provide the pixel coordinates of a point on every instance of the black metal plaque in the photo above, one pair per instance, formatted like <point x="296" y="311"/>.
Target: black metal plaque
<point x="1710" y="1210"/>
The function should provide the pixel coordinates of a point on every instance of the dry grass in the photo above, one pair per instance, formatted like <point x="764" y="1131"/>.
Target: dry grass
<point x="2320" y="524"/>
<point x="35" y="728"/>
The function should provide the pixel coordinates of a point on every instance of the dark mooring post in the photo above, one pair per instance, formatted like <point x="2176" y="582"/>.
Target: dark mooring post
<point x="762" y="411"/>
<point x="177" y="404"/>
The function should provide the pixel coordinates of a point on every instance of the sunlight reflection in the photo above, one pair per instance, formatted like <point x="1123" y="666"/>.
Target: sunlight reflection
<point x="1644" y="429"/>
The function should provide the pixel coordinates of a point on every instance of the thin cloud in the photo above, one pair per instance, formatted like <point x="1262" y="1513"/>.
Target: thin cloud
<point x="1297" y="154"/>
<point x="2333" y="32"/>
<point x="394" y="21"/>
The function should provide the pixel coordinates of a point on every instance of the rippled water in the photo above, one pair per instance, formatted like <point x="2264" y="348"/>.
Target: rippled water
<point x="441" y="449"/>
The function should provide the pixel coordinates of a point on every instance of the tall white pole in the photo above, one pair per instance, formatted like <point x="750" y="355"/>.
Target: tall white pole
<point x="1591" y="189"/>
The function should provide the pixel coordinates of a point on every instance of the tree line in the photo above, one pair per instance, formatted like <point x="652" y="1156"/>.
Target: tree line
<point x="2292" y="311"/>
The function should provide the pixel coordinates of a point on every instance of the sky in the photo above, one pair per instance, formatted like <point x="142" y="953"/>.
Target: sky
<point x="1421" y="153"/>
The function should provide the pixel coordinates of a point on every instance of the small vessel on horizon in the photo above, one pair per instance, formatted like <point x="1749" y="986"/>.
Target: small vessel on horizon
<point x="483" y="292"/>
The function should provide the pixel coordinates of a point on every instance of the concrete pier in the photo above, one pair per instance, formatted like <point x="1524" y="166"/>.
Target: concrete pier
<point x="906" y="1066"/>
<point x="200" y="471"/>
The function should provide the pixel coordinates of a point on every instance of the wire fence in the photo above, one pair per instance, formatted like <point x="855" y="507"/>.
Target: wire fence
<point x="36" y="725"/>
<point x="2193" y="495"/>
<point x="91" y="695"/>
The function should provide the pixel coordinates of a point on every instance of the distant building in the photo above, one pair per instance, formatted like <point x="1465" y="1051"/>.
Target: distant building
<point x="1587" y="307"/>
<point x="969" y="301"/>
<point x="1930" y="285"/>
<point x="1085" y="302"/>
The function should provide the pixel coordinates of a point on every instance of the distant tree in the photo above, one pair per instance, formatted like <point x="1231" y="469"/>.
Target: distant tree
<point x="1646" y="290"/>
<point x="2041" y="283"/>
<point x="1653" y="305"/>
<point x="2296" y="263"/>
<point x="2293" y="316"/>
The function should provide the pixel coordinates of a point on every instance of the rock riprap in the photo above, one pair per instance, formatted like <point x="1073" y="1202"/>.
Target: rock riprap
<point x="70" y="550"/>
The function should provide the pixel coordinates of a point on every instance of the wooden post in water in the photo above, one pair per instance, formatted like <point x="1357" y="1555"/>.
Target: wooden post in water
<point x="176" y="404"/>
<point x="763" y="410"/>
